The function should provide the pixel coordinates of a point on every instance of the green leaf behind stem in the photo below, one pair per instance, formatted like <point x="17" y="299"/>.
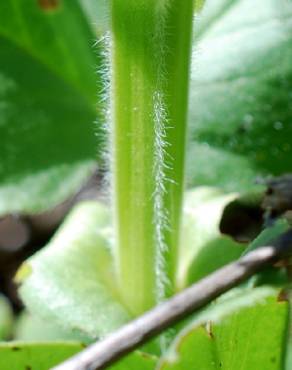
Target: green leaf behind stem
<point x="244" y="331"/>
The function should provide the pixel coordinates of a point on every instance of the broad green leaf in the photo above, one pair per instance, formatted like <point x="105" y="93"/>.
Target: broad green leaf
<point x="45" y="188"/>
<point x="43" y="356"/>
<point x="72" y="281"/>
<point x="241" y="96"/>
<point x="6" y="318"/>
<point x="48" y="89"/>
<point x="136" y="360"/>
<point x="35" y="356"/>
<point x="60" y="38"/>
<point x="203" y="248"/>
<point x="245" y="331"/>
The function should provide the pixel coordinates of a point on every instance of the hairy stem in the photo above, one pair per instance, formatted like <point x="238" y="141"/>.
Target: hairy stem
<point x="149" y="82"/>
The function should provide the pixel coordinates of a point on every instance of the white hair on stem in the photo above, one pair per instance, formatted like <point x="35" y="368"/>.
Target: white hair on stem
<point x="162" y="160"/>
<point x="104" y="101"/>
<point x="161" y="217"/>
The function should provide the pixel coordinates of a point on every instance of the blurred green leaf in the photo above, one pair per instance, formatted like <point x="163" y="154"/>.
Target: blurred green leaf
<point x="38" y="356"/>
<point x="271" y="274"/>
<point x="269" y="234"/>
<point x="31" y="328"/>
<point x="48" y="89"/>
<point x="43" y="356"/>
<point x="58" y="38"/>
<point x="244" y="331"/>
<point x="6" y="318"/>
<point x="87" y="282"/>
<point x="203" y="248"/>
<point x="44" y="189"/>
<point x="241" y="93"/>
<point x="71" y="281"/>
<point x="98" y="11"/>
<point x="241" y="104"/>
<point x="136" y="360"/>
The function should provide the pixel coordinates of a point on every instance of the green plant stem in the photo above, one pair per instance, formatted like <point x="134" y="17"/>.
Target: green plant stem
<point x="149" y="83"/>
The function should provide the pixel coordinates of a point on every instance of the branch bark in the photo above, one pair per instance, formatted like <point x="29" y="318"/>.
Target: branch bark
<point x="105" y="352"/>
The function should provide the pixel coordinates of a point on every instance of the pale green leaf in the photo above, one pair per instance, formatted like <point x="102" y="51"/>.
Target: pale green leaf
<point x="31" y="328"/>
<point x="72" y="280"/>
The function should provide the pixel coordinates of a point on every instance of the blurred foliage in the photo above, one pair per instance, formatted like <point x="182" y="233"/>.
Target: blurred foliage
<point x="6" y="319"/>
<point x="51" y="118"/>
<point x="40" y="356"/>
<point x="245" y="329"/>
<point x="240" y="102"/>
<point x="85" y="286"/>
<point x="48" y="101"/>
<point x="241" y="93"/>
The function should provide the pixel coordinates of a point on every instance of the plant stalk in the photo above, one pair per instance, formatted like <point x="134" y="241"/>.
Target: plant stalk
<point x="150" y="56"/>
